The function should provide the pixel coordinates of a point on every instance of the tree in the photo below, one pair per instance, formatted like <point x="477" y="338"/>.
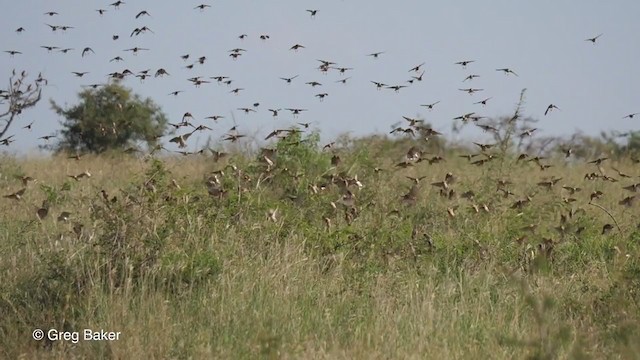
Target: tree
<point x="107" y="118"/>
<point x="19" y="96"/>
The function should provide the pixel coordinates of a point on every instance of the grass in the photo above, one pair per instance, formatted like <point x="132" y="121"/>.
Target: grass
<point x="184" y="274"/>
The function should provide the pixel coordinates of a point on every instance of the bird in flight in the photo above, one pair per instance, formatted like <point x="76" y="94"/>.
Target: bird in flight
<point x="87" y="50"/>
<point x="630" y="116"/>
<point x="396" y="88"/>
<point x="51" y="13"/>
<point x="296" y="47"/>
<point x="471" y="91"/>
<point x="378" y="85"/>
<point x="430" y="106"/>
<point x="117" y="4"/>
<point x="471" y="77"/>
<point x="288" y="80"/>
<point x="550" y="108"/>
<point x="376" y="54"/>
<point x="312" y="13"/>
<point x="135" y="50"/>
<point x="507" y="71"/>
<point x="142" y="13"/>
<point x="593" y="39"/>
<point x="464" y="63"/>
<point x="483" y="102"/>
<point x="201" y="7"/>
<point x="13" y="52"/>
<point x="416" y="68"/>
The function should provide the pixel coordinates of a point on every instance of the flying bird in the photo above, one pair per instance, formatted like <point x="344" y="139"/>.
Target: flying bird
<point x="288" y="80"/>
<point x="87" y="50"/>
<point x="416" y="68"/>
<point x="507" y="71"/>
<point x="550" y="108"/>
<point x="464" y="63"/>
<point x="593" y="39"/>
<point x="430" y="106"/>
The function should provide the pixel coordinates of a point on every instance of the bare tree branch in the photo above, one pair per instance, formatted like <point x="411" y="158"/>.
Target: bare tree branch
<point x="20" y="95"/>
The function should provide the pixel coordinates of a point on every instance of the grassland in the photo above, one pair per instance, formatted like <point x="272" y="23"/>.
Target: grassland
<point x="280" y="261"/>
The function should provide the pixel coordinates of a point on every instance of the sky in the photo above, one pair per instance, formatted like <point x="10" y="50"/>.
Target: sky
<point x="594" y="85"/>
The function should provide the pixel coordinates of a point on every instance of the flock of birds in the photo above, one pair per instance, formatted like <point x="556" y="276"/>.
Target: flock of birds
<point x="348" y="185"/>
<point x="191" y="62"/>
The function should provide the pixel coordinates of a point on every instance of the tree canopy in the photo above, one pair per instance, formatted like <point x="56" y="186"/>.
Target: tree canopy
<point x="109" y="117"/>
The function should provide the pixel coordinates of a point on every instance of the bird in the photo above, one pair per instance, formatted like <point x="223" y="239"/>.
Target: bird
<point x="142" y="13"/>
<point x="288" y="80"/>
<point x="507" y="71"/>
<point x="181" y="140"/>
<point x="471" y="91"/>
<point x="483" y="102"/>
<point x="375" y="55"/>
<point x="430" y="106"/>
<point x="296" y="47"/>
<point x="87" y="50"/>
<point x="550" y="108"/>
<point x="295" y="112"/>
<point x="135" y="50"/>
<point x="312" y="13"/>
<point x="117" y="4"/>
<point x="51" y="13"/>
<point x="79" y="74"/>
<point x="594" y="39"/>
<point x="49" y="48"/>
<point x="13" y="52"/>
<point x="630" y="116"/>
<point x="16" y="195"/>
<point x="470" y="77"/>
<point x="416" y="68"/>
<point x="396" y="88"/>
<point x="201" y="7"/>
<point x="464" y="63"/>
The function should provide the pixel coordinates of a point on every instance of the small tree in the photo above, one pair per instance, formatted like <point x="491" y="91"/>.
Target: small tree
<point x="19" y="96"/>
<point x="109" y="117"/>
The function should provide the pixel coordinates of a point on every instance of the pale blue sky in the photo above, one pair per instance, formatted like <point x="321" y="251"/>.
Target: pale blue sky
<point x="543" y="41"/>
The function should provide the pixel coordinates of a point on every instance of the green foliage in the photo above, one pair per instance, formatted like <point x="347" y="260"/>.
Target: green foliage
<point x="110" y="117"/>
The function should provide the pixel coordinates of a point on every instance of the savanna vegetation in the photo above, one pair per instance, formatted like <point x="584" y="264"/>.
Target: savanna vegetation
<point x="366" y="249"/>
